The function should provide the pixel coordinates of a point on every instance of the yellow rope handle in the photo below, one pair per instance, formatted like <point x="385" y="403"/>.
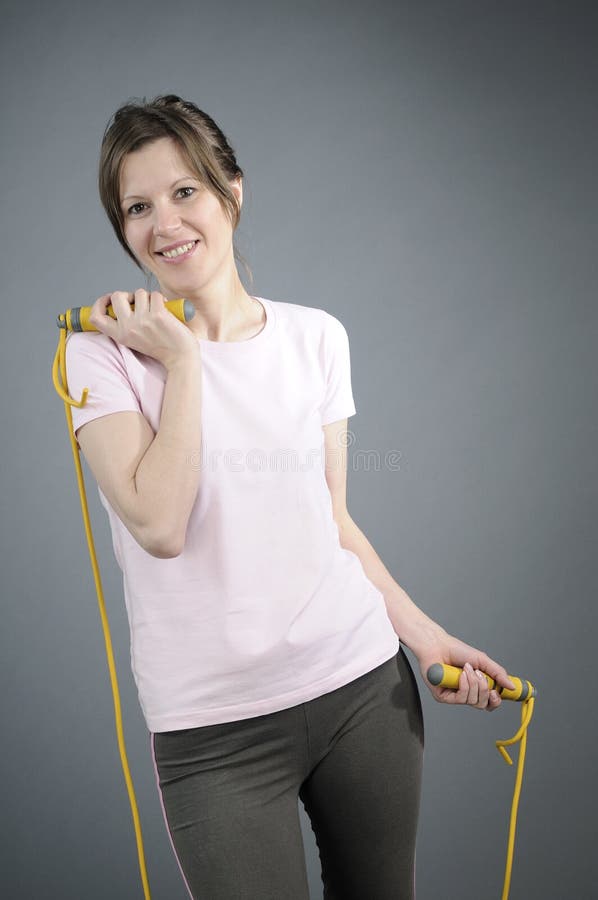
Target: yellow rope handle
<point x="59" y="366"/>
<point x="527" y="709"/>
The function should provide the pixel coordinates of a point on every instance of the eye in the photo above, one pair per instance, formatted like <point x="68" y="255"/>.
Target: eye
<point x="135" y="209"/>
<point x="190" y="190"/>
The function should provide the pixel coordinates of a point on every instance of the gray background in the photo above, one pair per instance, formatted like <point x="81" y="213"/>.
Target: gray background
<point x="424" y="171"/>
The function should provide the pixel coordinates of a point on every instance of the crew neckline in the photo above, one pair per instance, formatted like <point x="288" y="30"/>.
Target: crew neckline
<point x="258" y="338"/>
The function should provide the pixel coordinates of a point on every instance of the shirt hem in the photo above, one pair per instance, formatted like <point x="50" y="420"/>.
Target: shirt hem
<point x="223" y="714"/>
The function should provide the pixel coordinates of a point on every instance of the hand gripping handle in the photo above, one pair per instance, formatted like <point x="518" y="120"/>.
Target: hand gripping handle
<point x="441" y="675"/>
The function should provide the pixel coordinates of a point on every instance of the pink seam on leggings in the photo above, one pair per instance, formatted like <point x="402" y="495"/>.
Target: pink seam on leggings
<point x="414" y="868"/>
<point x="164" y="812"/>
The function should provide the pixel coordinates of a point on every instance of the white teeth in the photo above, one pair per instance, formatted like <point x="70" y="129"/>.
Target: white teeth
<point x="178" y="251"/>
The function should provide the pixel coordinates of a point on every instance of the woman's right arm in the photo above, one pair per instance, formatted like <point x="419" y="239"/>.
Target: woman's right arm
<point x="151" y="481"/>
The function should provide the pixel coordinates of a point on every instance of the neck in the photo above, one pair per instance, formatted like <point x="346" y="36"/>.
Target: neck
<point x="223" y="309"/>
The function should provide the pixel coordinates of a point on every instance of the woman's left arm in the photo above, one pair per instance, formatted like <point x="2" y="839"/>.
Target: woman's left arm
<point x="425" y="638"/>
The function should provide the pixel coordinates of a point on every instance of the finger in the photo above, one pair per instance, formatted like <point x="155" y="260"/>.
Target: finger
<point x="142" y="301"/>
<point x="496" y="671"/>
<point x="462" y="692"/>
<point x="101" y="303"/>
<point x="475" y="686"/>
<point x="99" y="317"/>
<point x="494" y="701"/>
<point x="449" y="695"/>
<point x="468" y="685"/>
<point x="120" y="301"/>
<point x="483" y="690"/>
<point x="121" y="304"/>
<point x="156" y="300"/>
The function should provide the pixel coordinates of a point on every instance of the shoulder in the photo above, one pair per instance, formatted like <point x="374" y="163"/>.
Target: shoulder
<point x="93" y="350"/>
<point x="312" y="318"/>
<point x="97" y="345"/>
<point x="90" y="342"/>
<point x="89" y="345"/>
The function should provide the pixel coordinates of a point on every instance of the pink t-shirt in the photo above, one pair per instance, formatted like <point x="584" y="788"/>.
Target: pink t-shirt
<point x="263" y="609"/>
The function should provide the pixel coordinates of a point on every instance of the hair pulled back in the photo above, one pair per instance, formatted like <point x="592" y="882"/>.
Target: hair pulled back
<point x="200" y="141"/>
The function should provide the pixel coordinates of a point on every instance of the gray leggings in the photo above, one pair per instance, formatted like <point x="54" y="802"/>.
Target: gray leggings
<point x="353" y="755"/>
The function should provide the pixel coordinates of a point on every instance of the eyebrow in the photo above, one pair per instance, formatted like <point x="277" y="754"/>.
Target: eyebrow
<point x="184" y="178"/>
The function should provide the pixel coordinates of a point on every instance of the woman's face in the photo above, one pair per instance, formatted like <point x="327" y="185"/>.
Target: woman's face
<point x="167" y="210"/>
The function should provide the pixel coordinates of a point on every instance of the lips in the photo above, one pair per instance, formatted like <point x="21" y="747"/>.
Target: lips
<point x="180" y="250"/>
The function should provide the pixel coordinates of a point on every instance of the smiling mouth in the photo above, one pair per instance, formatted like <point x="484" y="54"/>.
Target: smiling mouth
<point x="183" y="250"/>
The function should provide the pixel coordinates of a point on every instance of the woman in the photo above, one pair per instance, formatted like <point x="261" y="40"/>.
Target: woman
<point x="264" y="627"/>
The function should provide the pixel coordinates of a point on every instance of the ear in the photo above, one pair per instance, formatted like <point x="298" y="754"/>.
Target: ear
<point x="236" y="187"/>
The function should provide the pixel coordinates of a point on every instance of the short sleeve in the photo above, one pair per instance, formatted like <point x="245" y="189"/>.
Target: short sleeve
<point x="94" y="361"/>
<point x="338" y="398"/>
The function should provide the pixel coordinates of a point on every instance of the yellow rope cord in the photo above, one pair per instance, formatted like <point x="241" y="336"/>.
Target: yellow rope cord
<point x="59" y="367"/>
<point x="527" y="709"/>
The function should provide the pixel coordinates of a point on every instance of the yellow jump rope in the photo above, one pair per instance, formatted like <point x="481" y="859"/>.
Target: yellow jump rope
<point x="77" y="319"/>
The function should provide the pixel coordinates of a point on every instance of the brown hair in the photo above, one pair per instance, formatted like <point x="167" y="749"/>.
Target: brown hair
<point x="201" y="142"/>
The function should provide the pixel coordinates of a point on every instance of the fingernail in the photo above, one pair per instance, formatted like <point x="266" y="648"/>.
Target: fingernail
<point x="478" y="673"/>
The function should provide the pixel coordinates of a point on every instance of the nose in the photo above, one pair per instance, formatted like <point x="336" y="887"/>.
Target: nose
<point x="166" y="219"/>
